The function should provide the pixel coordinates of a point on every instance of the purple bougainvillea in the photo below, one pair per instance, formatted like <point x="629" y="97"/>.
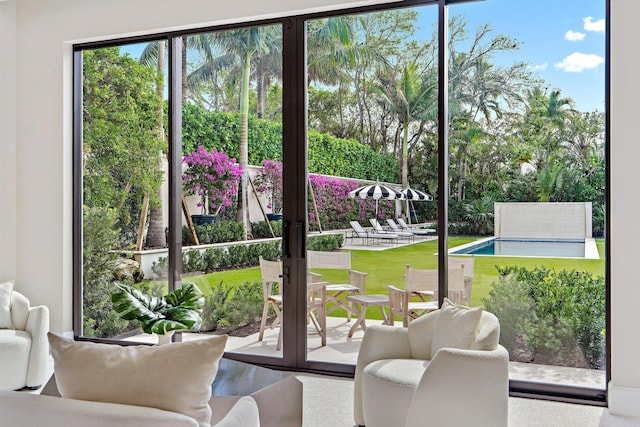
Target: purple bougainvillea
<point x="213" y="176"/>
<point x="269" y="180"/>
<point x="335" y="207"/>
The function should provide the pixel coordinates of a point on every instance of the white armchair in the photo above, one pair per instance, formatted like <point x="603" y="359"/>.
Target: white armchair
<point x="24" y="349"/>
<point x="405" y="378"/>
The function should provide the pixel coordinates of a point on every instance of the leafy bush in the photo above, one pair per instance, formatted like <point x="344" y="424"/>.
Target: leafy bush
<point x="556" y="317"/>
<point x="260" y="229"/>
<point x="193" y="261"/>
<point x="231" y="306"/>
<point x="328" y="242"/>
<point x="99" y="237"/>
<point x="217" y="232"/>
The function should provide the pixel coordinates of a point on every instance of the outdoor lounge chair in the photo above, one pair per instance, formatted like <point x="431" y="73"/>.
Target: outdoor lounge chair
<point x="378" y="228"/>
<point x="271" y="272"/>
<point x="415" y="231"/>
<point x="366" y="235"/>
<point x="405" y="227"/>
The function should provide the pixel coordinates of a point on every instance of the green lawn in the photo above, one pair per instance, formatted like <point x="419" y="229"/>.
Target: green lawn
<point x="387" y="267"/>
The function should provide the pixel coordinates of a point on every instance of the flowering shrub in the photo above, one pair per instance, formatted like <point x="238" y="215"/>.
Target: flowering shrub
<point x="336" y="208"/>
<point x="269" y="180"/>
<point x="213" y="176"/>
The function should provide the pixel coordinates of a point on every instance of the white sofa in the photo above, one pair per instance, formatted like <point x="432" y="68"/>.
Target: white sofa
<point x="401" y="381"/>
<point x="24" y="349"/>
<point x="20" y="409"/>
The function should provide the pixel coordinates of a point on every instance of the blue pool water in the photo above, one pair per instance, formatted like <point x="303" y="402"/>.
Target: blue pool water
<point x="531" y="248"/>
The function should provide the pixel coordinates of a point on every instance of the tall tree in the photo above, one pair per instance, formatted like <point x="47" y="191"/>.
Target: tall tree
<point x="154" y="56"/>
<point x="411" y="97"/>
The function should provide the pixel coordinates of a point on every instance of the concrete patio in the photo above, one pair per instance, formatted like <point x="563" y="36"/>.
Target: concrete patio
<point x="342" y="349"/>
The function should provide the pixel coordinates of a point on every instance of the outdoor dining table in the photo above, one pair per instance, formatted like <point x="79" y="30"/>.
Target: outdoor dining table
<point x="360" y="305"/>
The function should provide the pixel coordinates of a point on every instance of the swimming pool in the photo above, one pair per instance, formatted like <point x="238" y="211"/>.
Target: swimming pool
<point x="538" y="248"/>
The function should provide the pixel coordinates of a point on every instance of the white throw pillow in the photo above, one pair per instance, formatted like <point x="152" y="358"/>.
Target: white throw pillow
<point x="456" y="327"/>
<point x="175" y="377"/>
<point x="5" y="305"/>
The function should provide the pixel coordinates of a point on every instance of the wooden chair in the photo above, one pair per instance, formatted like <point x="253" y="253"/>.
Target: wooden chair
<point x="337" y="293"/>
<point x="423" y="285"/>
<point x="467" y="264"/>
<point x="271" y="272"/>
<point x="317" y="304"/>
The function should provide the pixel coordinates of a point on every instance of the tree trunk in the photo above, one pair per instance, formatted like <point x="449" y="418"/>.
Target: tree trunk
<point x="156" y="237"/>
<point x="242" y="213"/>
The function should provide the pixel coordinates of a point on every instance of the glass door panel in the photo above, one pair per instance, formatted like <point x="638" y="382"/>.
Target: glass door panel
<point x="232" y="182"/>
<point x="528" y="179"/>
<point x="372" y="126"/>
<point x="124" y="182"/>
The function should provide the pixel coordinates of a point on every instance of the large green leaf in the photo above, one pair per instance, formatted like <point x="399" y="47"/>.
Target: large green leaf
<point x="180" y="310"/>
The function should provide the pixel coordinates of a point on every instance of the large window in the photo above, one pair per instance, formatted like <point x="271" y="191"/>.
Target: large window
<point x="238" y="158"/>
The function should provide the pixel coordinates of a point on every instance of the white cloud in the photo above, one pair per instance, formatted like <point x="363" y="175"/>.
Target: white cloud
<point x="574" y="36"/>
<point x="578" y="62"/>
<point x="591" y="25"/>
<point x="541" y="67"/>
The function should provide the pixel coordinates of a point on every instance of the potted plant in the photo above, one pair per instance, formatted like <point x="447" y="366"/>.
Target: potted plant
<point x="269" y="180"/>
<point x="178" y="310"/>
<point x="212" y="176"/>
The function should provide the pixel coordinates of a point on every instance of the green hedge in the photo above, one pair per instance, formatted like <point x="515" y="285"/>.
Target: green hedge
<point x="327" y="154"/>
<point x="241" y="256"/>
<point x="550" y="317"/>
<point x="217" y="232"/>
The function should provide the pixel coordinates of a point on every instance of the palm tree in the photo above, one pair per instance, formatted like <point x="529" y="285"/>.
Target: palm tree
<point x="154" y="56"/>
<point x="246" y="44"/>
<point x="411" y="97"/>
<point x="550" y="180"/>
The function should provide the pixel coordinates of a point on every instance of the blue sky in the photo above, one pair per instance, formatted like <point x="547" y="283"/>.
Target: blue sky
<point x="562" y="40"/>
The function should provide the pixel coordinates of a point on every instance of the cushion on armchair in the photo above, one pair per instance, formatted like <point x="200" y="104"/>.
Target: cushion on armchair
<point x="175" y="377"/>
<point x="456" y="327"/>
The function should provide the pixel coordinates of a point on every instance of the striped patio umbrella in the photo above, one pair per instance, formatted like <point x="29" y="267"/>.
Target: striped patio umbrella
<point x="376" y="192"/>
<point x="411" y="194"/>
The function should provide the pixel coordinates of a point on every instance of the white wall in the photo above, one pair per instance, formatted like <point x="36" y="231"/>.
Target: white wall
<point x="567" y="220"/>
<point x="8" y="141"/>
<point x="43" y="146"/>
<point x="45" y="33"/>
<point x="624" y="389"/>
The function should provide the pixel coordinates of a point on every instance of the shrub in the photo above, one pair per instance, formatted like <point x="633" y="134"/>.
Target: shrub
<point x="99" y="237"/>
<point x="327" y="243"/>
<point x="232" y="306"/>
<point x="260" y="229"/>
<point x="217" y="232"/>
<point x="557" y="317"/>
<point x="213" y="176"/>
<point x="193" y="261"/>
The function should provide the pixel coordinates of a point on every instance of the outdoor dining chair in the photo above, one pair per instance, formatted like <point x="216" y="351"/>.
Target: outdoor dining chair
<point x="337" y="293"/>
<point x="271" y="272"/>
<point x="420" y="294"/>
<point x="467" y="264"/>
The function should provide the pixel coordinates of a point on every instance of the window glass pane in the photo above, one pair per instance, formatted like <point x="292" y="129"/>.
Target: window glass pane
<point x="527" y="178"/>
<point x="372" y="119"/>
<point x="124" y="188"/>
<point x="232" y="181"/>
